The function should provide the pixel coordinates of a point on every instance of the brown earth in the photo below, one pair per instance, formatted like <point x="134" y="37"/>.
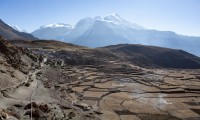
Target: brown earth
<point x="98" y="85"/>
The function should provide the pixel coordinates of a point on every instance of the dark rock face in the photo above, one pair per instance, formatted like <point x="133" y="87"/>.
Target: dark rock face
<point x="71" y="115"/>
<point x="44" y="108"/>
<point x="28" y="106"/>
<point x="35" y="113"/>
<point x="3" y="115"/>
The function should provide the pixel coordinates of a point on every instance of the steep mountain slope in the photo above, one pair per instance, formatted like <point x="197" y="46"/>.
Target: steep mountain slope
<point x="53" y="31"/>
<point x="155" y="56"/>
<point x="8" y="32"/>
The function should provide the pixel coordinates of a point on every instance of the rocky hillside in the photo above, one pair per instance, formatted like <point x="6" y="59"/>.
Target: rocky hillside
<point x="71" y="54"/>
<point x="21" y="83"/>
<point x="152" y="56"/>
<point x="10" y="62"/>
<point x="12" y="53"/>
<point x="145" y="56"/>
<point x="8" y="32"/>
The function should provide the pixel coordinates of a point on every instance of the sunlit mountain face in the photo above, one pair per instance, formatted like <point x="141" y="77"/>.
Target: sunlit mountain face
<point x="112" y="29"/>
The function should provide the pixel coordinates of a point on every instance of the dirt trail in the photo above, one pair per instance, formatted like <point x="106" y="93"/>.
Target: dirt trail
<point x="21" y="93"/>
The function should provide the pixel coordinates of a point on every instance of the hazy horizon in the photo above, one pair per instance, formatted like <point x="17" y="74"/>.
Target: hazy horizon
<point x="180" y="16"/>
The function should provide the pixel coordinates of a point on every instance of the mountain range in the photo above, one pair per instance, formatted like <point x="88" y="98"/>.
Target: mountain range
<point x="113" y="29"/>
<point x="109" y="30"/>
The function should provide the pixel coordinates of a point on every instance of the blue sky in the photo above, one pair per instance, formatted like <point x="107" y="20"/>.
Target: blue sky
<point x="180" y="16"/>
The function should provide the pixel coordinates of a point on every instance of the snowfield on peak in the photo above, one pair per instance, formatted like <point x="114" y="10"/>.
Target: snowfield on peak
<point x="15" y="27"/>
<point x="56" y="25"/>
<point x="56" y="31"/>
<point x="61" y="31"/>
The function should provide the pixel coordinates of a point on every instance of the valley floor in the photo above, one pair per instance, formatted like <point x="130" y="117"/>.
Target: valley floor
<point x="109" y="92"/>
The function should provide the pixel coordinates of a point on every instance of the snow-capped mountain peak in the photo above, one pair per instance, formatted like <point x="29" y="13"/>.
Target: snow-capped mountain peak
<point x="114" y="18"/>
<point x="56" y="25"/>
<point x="15" y="27"/>
<point x="111" y="20"/>
<point x="53" y="31"/>
<point x="117" y="19"/>
<point x="111" y="23"/>
<point x="98" y="18"/>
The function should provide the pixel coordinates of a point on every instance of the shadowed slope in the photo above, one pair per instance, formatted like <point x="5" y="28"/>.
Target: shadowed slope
<point x="8" y="32"/>
<point x="155" y="56"/>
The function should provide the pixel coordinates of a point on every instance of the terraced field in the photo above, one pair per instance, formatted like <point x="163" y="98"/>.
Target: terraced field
<point x="120" y="86"/>
<point x="131" y="92"/>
